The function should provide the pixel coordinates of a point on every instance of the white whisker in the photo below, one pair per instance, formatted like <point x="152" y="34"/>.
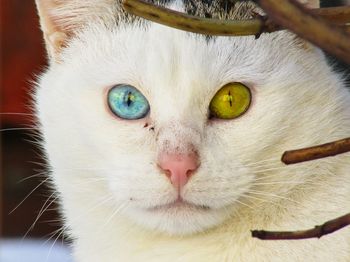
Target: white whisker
<point x="74" y="220"/>
<point x="44" y="208"/>
<point x="279" y="183"/>
<point x="272" y="176"/>
<point x="270" y="161"/>
<point x="17" y="129"/>
<point x="32" y="176"/>
<point x="31" y="192"/>
<point x="255" y="192"/>
<point x="244" y="204"/>
<point x="263" y="201"/>
<point x="14" y="113"/>
<point x="265" y="166"/>
<point x="118" y="210"/>
<point x="269" y="169"/>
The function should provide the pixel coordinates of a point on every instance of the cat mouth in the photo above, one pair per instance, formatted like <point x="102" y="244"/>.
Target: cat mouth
<point x="178" y="204"/>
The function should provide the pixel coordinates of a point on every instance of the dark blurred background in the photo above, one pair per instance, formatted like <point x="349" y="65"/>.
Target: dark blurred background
<point x="22" y="57"/>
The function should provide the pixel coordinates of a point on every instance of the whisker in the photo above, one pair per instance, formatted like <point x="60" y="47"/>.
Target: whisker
<point x="263" y="201"/>
<point x="279" y="183"/>
<point x="83" y="168"/>
<point x="269" y="169"/>
<point x="242" y="203"/>
<point x="61" y="230"/>
<point x="105" y="200"/>
<point x="15" y="113"/>
<point x="302" y="182"/>
<point x="272" y="176"/>
<point x="49" y="236"/>
<point x="92" y="180"/>
<point x="85" y="213"/>
<point x="255" y="199"/>
<point x="31" y="192"/>
<point x="17" y="129"/>
<point x="52" y="220"/>
<point x="41" y="164"/>
<point x="271" y="160"/>
<point x="53" y="209"/>
<point x="255" y="192"/>
<point x="53" y="244"/>
<point x="266" y="165"/>
<point x="118" y="210"/>
<point x="41" y="212"/>
<point x="30" y="177"/>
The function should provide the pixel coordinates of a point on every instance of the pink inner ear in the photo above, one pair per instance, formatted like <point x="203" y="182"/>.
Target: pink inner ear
<point x="54" y="35"/>
<point x="60" y="19"/>
<point x="178" y="168"/>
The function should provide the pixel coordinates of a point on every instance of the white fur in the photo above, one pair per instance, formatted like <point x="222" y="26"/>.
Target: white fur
<point x="105" y="168"/>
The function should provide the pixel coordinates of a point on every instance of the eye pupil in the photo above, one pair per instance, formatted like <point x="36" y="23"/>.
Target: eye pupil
<point x="230" y="98"/>
<point x="130" y="99"/>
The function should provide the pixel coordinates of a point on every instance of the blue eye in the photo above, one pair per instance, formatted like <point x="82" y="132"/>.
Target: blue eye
<point x="127" y="102"/>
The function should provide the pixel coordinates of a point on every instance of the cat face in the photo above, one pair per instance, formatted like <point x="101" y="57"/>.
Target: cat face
<point x="95" y="154"/>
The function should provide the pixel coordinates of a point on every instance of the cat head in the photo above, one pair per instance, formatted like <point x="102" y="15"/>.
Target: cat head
<point x="128" y="115"/>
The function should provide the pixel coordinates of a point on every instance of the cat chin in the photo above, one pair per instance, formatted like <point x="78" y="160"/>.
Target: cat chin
<point x="179" y="219"/>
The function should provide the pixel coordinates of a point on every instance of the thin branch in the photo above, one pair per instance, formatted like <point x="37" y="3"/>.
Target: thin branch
<point x="294" y="16"/>
<point x="191" y="23"/>
<point x="307" y="154"/>
<point x="336" y="15"/>
<point x="316" y="152"/>
<point x="165" y="16"/>
<point x="316" y="232"/>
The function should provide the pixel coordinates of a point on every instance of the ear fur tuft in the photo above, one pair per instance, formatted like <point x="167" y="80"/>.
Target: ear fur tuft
<point x="61" y="19"/>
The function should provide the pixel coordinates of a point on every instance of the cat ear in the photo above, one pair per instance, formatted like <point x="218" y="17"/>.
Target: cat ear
<point x="55" y="31"/>
<point x="61" y="19"/>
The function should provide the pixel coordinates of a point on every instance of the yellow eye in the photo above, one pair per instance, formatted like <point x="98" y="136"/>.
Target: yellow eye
<point x="231" y="101"/>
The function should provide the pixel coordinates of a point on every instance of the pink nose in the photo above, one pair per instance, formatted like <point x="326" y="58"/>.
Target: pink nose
<point x="178" y="168"/>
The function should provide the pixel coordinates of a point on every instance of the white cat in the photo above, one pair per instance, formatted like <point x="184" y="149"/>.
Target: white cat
<point x="165" y="145"/>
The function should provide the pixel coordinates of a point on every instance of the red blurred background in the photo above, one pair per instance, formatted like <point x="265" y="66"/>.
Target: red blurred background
<point x="22" y="57"/>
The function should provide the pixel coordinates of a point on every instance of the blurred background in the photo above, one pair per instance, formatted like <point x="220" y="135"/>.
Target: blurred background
<point x="22" y="193"/>
<point x="21" y="173"/>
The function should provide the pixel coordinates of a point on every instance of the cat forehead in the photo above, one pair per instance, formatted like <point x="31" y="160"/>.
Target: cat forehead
<point x="143" y="48"/>
<point x="172" y="57"/>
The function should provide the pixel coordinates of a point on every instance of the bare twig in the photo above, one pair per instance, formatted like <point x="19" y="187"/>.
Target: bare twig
<point x="316" y="152"/>
<point x="193" y="23"/>
<point x="307" y="154"/>
<point x="336" y="15"/>
<point x="295" y="17"/>
<point x="316" y="232"/>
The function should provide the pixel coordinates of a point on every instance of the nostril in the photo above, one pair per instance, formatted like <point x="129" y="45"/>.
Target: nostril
<point x="190" y="172"/>
<point x="167" y="173"/>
